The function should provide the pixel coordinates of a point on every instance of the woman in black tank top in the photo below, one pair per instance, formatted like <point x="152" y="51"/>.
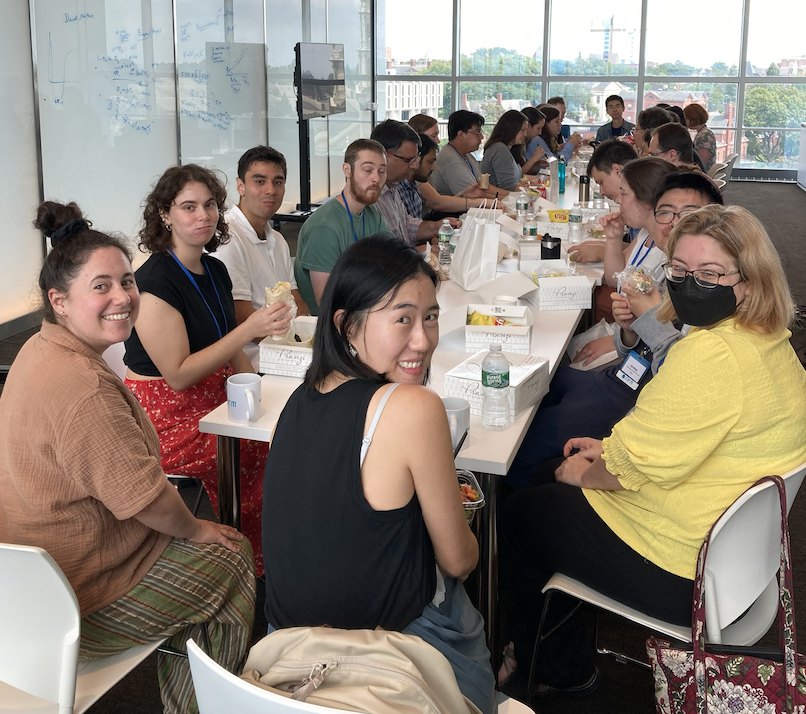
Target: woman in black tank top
<point x="361" y="502"/>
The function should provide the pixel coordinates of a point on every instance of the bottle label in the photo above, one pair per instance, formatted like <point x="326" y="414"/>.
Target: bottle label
<point x="445" y="237"/>
<point x="575" y="218"/>
<point x="494" y="379"/>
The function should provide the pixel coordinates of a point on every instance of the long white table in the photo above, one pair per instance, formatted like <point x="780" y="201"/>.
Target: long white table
<point x="487" y="453"/>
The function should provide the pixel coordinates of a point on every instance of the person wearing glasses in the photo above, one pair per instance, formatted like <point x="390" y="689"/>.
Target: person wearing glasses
<point x="627" y="515"/>
<point x="636" y="312"/>
<point x="457" y="169"/>
<point x="591" y="402"/>
<point x="402" y="146"/>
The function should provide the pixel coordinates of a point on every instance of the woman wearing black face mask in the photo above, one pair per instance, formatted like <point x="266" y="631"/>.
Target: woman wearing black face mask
<point x="728" y="406"/>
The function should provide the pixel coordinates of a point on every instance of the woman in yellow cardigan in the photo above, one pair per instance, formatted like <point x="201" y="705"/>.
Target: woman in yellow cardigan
<point x="628" y="514"/>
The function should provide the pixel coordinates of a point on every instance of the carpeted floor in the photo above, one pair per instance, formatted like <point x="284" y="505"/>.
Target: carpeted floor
<point x="626" y="689"/>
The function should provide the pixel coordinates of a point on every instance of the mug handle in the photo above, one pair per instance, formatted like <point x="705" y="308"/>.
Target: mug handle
<point x="454" y="425"/>
<point x="250" y="406"/>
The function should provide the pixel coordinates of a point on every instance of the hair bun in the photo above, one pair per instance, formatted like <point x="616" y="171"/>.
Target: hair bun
<point x="73" y="227"/>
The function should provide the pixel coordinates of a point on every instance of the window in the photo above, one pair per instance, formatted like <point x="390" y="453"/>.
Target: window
<point x="492" y="99"/>
<point x="589" y="38"/>
<point x="512" y="45"/>
<point x="693" y="38"/>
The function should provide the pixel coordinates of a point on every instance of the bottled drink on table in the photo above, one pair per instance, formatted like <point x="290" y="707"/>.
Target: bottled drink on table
<point x="495" y="389"/>
<point x="561" y="175"/>
<point x="455" y="240"/>
<point x="575" y="224"/>
<point x="444" y="235"/>
<point x="521" y="205"/>
<point x="530" y="227"/>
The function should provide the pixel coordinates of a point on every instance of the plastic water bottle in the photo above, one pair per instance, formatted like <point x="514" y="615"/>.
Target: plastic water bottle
<point x="495" y="388"/>
<point x="444" y="235"/>
<point x="561" y="175"/>
<point x="575" y="224"/>
<point x="455" y="240"/>
<point x="521" y="206"/>
<point x="530" y="227"/>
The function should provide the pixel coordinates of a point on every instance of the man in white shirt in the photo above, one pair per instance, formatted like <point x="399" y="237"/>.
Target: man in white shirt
<point x="257" y="256"/>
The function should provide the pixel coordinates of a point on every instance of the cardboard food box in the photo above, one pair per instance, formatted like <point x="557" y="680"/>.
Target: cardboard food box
<point x="528" y="382"/>
<point x="557" y="289"/>
<point x="513" y="338"/>
<point x="290" y="359"/>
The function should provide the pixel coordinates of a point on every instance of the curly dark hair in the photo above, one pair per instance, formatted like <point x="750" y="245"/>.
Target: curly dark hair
<point x="154" y="236"/>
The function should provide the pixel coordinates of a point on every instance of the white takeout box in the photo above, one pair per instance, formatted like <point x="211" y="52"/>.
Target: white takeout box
<point x="529" y="379"/>
<point x="516" y="284"/>
<point x="513" y="338"/>
<point x="289" y="360"/>
<point x="571" y="292"/>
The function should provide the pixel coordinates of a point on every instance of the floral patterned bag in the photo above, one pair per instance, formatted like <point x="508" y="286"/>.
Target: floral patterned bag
<point x="726" y="679"/>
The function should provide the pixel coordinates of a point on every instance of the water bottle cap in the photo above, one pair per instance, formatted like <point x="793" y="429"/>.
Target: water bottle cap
<point x="495" y="348"/>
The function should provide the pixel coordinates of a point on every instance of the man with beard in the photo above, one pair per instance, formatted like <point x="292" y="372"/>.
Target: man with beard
<point x="257" y="256"/>
<point x="342" y="220"/>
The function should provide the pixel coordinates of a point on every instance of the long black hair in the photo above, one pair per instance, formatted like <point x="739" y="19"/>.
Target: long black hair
<point x="366" y="277"/>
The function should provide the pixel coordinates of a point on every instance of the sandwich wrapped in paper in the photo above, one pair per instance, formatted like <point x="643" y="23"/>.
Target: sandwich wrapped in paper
<point x="282" y="293"/>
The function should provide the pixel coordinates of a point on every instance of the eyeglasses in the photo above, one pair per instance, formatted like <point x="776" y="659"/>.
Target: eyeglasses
<point x="413" y="160"/>
<point x="703" y="278"/>
<point x="477" y="133"/>
<point x="665" y="217"/>
<point x="658" y="153"/>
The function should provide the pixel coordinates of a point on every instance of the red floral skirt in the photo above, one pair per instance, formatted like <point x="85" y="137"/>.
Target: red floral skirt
<point x="186" y="451"/>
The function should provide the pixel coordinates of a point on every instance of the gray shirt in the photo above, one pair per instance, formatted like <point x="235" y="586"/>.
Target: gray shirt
<point x="453" y="172"/>
<point x="499" y="162"/>
<point x="660" y="337"/>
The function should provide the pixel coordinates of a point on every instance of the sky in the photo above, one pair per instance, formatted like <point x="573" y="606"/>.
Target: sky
<point x="770" y="38"/>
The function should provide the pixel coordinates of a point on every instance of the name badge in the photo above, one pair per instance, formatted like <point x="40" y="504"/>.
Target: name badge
<point x="633" y="370"/>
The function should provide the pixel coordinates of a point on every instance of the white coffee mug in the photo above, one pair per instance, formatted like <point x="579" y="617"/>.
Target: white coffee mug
<point x="458" y="411"/>
<point x="243" y="397"/>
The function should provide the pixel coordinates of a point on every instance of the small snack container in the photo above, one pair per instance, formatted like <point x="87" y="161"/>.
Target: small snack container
<point x="467" y="478"/>
<point x="292" y="357"/>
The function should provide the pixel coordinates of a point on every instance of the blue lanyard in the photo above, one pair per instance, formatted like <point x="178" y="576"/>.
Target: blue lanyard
<point x="640" y="258"/>
<point x="466" y="160"/>
<point x="350" y="214"/>
<point x="201" y="294"/>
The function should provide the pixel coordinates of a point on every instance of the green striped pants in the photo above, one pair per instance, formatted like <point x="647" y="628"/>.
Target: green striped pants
<point x="204" y="592"/>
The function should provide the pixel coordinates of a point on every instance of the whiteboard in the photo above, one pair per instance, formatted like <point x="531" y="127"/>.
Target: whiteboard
<point x="222" y="82"/>
<point x="20" y="243"/>
<point x="107" y="104"/>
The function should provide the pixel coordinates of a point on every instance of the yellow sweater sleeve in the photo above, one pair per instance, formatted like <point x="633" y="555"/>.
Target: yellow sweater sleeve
<point x="681" y="416"/>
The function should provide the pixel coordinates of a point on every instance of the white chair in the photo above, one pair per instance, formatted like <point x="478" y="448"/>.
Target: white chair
<point x="716" y="168"/>
<point x="741" y="585"/>
<point x="218" y="690"/>
<point x="720" y="183"/>
<point x="730" y="160"/>
<point x="41" y="629"/>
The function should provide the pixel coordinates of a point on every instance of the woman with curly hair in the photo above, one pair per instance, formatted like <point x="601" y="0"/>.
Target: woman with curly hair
<point x="187" y="341"/>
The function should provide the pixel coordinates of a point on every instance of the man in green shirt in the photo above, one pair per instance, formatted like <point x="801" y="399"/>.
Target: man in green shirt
<point x="341" y="220"/>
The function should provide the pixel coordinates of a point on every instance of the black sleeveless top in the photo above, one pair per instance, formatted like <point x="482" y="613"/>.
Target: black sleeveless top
<point x="161" y="275"/>
<point x="330" y="558"/>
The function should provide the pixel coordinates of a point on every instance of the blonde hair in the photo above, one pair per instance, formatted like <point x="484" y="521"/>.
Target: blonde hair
<point x="768" y="307"/>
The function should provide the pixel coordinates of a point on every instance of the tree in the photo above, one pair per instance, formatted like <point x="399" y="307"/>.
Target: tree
<point x="774" y="106"/>
<point x="491" y="111"/>
<point x="773" y="71"/>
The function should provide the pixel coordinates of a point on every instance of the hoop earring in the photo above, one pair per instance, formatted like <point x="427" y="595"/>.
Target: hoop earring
<point x="168" y="227"/>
